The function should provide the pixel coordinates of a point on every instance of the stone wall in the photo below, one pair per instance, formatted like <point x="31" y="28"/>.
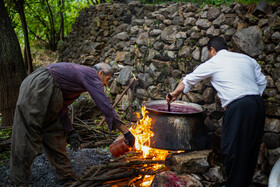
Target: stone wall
<point x="160" y="44"/>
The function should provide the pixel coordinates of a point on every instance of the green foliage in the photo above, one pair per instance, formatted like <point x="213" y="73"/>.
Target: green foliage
<point x="107" y="90"/>
<point x="43" y="17"/>
<point x="5" y="133"/>
<point x="4" y="158"/>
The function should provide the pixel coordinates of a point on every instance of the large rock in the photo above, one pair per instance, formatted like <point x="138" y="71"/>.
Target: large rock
<point x="209" y="95"/>
<point x="142" y="94"/>
<point x="120" y="56"/>
<point x="168" y="35"/>
<point x="123" y="36"/>
<point x="195" y="97"/>
<point x="213" y="13"/>
<point x="196" y="53"/>
<point x="219" y="21"/>
<point x="185" y="51"/>
<point x="145" y="80"/>
<point x="114" y="88"/>
<point x="85" y="108"/>
<point x="260" y="178"/>
<point x="203" y="23"/>
<point x="262" y="8"/>
<point x="204" y="54"/>
<point x="271" y="140"/>
<point x="248" y="41"/>
<point x="142" y="39"/>
<point x="273" y="156"/>
<point x="272" y="108"/>
<point x="214" y="111"/>
<point x="189" y="162"/>
<point x="214" y="174"/>
<point x="169" y="178"/>
<point x="125" y="75"/>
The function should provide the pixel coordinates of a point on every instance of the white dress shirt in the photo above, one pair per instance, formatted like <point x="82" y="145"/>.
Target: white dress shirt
<point x="233" y="75"/>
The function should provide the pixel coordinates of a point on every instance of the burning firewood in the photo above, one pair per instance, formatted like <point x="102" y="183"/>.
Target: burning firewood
<point x="126" y="170"/>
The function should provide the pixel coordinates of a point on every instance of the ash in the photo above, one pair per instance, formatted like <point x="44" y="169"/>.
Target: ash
<point x="43" y="174"/>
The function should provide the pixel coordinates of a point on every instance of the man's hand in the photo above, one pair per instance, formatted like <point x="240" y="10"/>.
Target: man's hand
<point x="170" y="98"/>
<point x="74" y="140"/>
<point x="173" y="95"/>
<point x="130" y="139"/>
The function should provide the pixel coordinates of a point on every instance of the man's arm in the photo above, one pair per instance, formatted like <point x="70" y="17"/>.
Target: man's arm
<point x="260" y="78"/>
<point x="73" y="137"/>
<point x="129" y="137"/>
<point x="179" y="89"/>
<point x="201" y="72"/>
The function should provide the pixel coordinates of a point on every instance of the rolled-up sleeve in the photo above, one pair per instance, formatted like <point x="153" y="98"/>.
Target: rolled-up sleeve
<point x="200" y="73"/>
<point x="260" y="78"/>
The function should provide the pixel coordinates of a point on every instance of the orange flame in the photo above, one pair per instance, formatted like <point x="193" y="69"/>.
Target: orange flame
<point x="142" y="134"/>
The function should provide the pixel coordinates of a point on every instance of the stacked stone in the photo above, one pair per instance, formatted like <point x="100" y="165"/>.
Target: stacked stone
<point x="162" y="43"/>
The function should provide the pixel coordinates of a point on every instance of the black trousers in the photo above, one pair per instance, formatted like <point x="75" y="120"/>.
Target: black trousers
<point x="242" y="131"/>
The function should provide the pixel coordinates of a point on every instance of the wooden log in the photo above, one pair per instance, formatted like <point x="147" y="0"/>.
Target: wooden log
<point x="121" y="164"/>
<point x="126" y="174"/>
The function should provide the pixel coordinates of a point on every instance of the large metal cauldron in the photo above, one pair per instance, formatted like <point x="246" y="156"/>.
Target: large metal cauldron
<point x="177" y="131"/>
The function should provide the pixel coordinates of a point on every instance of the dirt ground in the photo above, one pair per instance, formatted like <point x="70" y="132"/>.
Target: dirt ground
<point x="43" y="173"/>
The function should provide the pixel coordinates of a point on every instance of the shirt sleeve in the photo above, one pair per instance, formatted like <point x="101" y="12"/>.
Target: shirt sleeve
<point x="260" y="77"/>
<point x="94" y="86"/>
<point x="201" y="72"/>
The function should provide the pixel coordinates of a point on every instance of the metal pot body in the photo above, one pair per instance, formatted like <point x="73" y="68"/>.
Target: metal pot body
<point x="178" y="131"/>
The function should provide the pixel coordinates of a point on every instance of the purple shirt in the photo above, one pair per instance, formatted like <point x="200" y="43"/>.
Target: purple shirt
<point x="73" y="79"/>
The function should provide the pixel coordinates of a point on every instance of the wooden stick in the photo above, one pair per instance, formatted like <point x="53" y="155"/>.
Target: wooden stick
<point x="121" y="164"/>
<point x="118" y="100"/>
<point x="131" y="172"/>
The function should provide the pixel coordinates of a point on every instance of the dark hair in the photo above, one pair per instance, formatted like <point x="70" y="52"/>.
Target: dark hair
<point x="103" y="66"/>
<point x="218" y="43"/>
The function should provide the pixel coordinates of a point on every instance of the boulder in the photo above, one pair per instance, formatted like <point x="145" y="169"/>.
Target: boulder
<point x="168" y="35"/>
<point x="249" y="41"/>
<point x="189" y="162"/>
<point x="271" y="140"/>
<point x="213" y="13"/>
<point x="169" y="178"/>
<point x="203" y="23"/>
<point x="124" y="75"/>
<point x="214" y="174"/>
<point x="262" y="8"/>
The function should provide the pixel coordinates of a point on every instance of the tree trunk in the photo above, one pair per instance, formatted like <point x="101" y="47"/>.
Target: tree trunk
<point x="53" y="43"/>
<point x="61" y="33"/>
<point x="27" y="54"/>
<point x="12" y="70"/>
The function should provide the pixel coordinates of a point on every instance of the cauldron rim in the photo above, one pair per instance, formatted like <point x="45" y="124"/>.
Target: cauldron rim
<point x="155" y="102"/>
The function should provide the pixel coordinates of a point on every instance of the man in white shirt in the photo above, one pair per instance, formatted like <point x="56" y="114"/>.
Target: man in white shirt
<point x="239" y="84"/>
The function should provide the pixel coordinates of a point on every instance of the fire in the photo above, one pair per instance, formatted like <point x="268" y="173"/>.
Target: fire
<point x="142" y="134"/>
